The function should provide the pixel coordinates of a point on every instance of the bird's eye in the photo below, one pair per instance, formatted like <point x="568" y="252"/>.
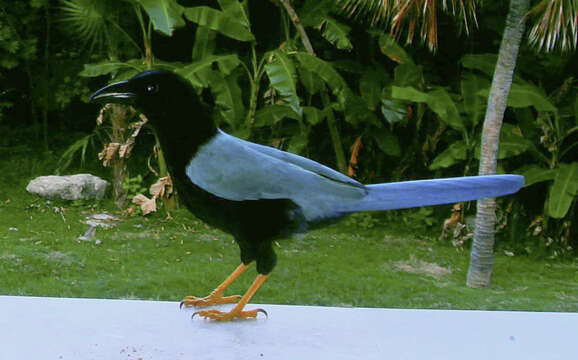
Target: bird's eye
<point x="152" y="88"/>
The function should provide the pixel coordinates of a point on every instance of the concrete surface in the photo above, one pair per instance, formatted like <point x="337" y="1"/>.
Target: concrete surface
<point x="60" y="328"/>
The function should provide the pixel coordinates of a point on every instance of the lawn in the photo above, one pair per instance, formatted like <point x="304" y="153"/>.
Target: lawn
<point x="392" y="264"/>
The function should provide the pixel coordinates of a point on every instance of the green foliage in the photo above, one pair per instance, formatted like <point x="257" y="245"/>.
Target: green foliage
<point x="134" y="186"/>
<point x="390" y="48"/>
<point x="564" y="190"/>
<point x="221" y="21"/>
<point x="273" y="114"/>
<point x="415" y="116"/>
<point x="361" y="221"/>
<point x="455" y="153"/>
<point x="438" y="100"/>
<point x="423" y="216"/>
<point x="336" y="33"/>
<point x="282" y="75"/>
<point x="79" y="146"/>
<point x="165" y="15"/>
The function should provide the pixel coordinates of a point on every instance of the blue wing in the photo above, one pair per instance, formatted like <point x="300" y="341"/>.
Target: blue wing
<point x="239" y="170"/>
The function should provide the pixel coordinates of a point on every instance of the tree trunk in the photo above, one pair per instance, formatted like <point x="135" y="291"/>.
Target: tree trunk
<point x="482" y="258"/>
<point x="119" y="118"/>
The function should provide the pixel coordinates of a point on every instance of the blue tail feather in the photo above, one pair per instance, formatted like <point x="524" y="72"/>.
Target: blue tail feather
<point x="407" y="194"/>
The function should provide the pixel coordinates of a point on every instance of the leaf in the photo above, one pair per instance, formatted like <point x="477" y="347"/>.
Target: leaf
<point x="534" y="174"/>
<point x="311" y="12"/>
<point x="228" y="98"/>
<point x="312" y="83"/>
<point x="482" y="62"/>
<point x="393" y="110"/>
<point x="108" y="152"/>
<point x="147" y="205"/>
<point x="281" y="72"/>
<point x="357" y="112"/>
<point x="407" y="74"/>
<point x="455" y="153"/>
<point x="106" y="67"/>
<point x="444" y="106"/>
<point x="354" y="159"/>
<point x="409" y="93"/>
<point x="512" y="143"/>
<point x="390" y="48"/>
<point x="79" y="145"/>
<point x="526" y="94"/>
<point x="219" y="21"/>
<point x="325" y="71"/>
<point x="298" y="143"/>
<point x="162" y="188"/>
<point x="387" y="142"/>
<point x="236" y="10"/>
<point x="370" y="87"/>
<point x="272" y="114"/>
<point x="226" y="64"/>
<point x="563" y="190"/>
<point x="204" y="43"/>
<point x="474" y="104"/>
<point x="438" y="100"/>
<point x="314" y="115"/>
<point x="336" y="33"/>
<point x="166" y="15"/>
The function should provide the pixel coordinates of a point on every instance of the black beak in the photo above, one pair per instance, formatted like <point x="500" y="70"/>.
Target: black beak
<point x="117" y="93"/>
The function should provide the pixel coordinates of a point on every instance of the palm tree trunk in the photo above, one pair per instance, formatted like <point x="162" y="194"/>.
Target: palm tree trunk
<point x="482" y="258"/>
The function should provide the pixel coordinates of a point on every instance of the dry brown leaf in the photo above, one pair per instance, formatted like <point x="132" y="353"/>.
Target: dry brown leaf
<point x="147" y="205"/>
<point x="355" y="149"/>
<point x="103" y="110"/>
<point x="162" y="188"/>
<point x="453" y="221"/>
<point x="125" y="149"/>
<point x="111" y="150"/>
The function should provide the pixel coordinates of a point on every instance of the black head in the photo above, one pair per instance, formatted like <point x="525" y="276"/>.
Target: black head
<point x="159" y="94"/>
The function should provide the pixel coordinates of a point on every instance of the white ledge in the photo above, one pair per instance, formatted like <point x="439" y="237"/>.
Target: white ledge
<point x="59" y="328"/>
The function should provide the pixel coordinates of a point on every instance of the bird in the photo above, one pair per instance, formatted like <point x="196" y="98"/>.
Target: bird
<point x="260" y="194"/>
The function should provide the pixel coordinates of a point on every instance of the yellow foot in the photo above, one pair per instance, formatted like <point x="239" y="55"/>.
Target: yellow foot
<point x="232" y="315"/>
<point x="191" y="301"/>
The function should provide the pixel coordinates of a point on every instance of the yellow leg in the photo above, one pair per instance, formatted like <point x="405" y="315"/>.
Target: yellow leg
<point x="237" y="312"/>
<point x="216" y="296"/>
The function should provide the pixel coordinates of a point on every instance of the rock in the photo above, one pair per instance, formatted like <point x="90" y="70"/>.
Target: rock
<point x="95" y="221"/>
<point x="72" y="187"/>
<point x="88" y="235"/>
<point x="103" y="220"/>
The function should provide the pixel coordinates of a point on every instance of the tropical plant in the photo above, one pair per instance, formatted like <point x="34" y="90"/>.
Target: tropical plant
<point x="98" y="23"/>
<point x="411" y="16"/>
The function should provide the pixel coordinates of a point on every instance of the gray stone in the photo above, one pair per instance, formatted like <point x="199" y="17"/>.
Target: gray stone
<point x="103" y="220"/>
<point x="71" y="187"/>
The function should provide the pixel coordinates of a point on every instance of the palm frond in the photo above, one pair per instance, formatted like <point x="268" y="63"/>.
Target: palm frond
<point x="410" y="16"/>
<point x="555" y="24"/>
<point x="87" y="19"/>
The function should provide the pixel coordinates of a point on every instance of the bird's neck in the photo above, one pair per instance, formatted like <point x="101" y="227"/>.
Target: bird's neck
<point x="181" y="133"/>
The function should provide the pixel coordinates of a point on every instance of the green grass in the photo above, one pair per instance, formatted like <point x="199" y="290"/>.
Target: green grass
<point x="389" y="265"/>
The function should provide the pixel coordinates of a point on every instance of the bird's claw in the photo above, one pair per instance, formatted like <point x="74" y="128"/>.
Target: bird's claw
<point x="228" y="316"/>
<point x="193" y="301"/>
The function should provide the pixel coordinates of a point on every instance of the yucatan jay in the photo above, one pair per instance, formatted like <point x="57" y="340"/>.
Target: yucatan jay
<point x="258" y="193"/>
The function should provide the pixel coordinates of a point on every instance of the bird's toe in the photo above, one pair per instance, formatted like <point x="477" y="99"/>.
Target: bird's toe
<point x="228" y="316"/>
<point x="193" y="301"/>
